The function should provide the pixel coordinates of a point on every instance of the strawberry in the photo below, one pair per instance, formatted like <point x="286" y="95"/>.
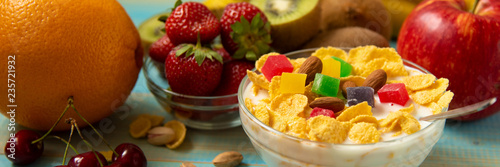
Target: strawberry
<point x="220" y="50"/>
<point x="190" y="19"/>
<point x="232" y="74"/>
<point x="193" y="70"/>
<point x="245" y="31"/>
<point x="160" y="49"/>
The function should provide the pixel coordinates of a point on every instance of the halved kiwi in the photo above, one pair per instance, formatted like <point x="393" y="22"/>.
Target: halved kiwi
<point x="151" y="30"/>
<point x="293" y="22"/>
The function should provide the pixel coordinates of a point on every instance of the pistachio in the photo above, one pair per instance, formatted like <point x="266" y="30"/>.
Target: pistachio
<point x="187" y="164"/>
<point x="228" y="159"/>
<point x="161" y="135"/>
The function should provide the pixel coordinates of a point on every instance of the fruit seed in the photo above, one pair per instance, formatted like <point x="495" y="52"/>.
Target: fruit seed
<point x="347" y="84"/>
<point x="331" y="103"/>
<point x="228" y="159"/>
<point x="376" y="79"/>
<point x="311" y="66"/>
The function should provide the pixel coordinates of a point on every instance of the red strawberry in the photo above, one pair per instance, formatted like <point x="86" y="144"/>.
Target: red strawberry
<point x="232" y="74"/>
<point x="220" y="50"/>
<point x="160" y="49"/>
<point x="190" y="19"/>
<point x="193" y="70"/>
<point x="245" y="31"/>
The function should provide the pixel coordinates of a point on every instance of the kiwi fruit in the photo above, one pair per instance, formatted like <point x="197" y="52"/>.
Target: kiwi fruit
<point x="347" y="37"/>
<point x="293" y="22"/>
<point x="151" y="30"/>
<point x="370" y="14"/>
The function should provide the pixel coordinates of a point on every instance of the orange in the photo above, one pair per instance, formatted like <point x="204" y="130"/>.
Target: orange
<point x="90" y="50"/>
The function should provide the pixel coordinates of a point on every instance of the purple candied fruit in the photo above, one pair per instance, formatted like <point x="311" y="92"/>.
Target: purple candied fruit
<point x="357" y="95"/>
<point x="321" y="111"/>
<point x="393" y="93"/>
<point x="275" y="65"/>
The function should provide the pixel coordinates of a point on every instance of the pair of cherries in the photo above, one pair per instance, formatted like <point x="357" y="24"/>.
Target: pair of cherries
<point x="129" y="155"/>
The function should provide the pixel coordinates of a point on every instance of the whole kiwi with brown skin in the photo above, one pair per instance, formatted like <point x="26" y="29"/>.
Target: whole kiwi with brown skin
<point x="347" y="37"/>
<point x="370" y="14"/>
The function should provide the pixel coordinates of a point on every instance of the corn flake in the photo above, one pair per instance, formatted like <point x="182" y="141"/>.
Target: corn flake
<point x="309" y="94"/>
<point x="180" y="133"/>
<point x="367" y="59"/>
<point x="400" y="121"/>
<point x="277" y="121"/>
<point x="326" y="129"/>
<point x="419" y="82"/>
<point x="289" y="104"/>
<point x="249" y="105"/>
<point x="410" y="124"/>
<point x="364" y="118"/>
<point x="262" y="60"/>
<point x="445" y="99"/>
<point x="262" y="113"/>
<point x="408" y="109"/>
<point x="432" y="93"/>
<point x="297" y="63"/>
<point x="274" y="87"/>
<point x="259" y="80"/>
<point x="297" y="127"/>
<point x="352" y="112"/>
<point x="328" y="52"/>
<point x="364" y="133"/>
<point x="435" y="108"/>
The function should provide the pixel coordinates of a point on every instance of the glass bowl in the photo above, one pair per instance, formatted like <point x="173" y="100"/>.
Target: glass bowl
<point x="200" y="112"/>
<point x="279" y="149"/>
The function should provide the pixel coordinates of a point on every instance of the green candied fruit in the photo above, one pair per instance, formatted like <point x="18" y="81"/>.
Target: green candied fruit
<point x="325" y="85"/>
<point x="345" y="68"/>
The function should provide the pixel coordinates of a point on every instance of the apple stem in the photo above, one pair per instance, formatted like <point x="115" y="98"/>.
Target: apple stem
<point x="73" y="123"/>
<point x="70" y="101"/>
<point x="474" y="7"/>
<point x="95" y="130"/>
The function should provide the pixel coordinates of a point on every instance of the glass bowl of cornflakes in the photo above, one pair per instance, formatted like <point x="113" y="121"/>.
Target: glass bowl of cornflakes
<point x="300" y="142"/>
<point x="200" y="112"/>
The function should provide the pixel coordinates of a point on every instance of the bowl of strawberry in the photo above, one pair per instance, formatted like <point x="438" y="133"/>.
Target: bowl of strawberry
<point x="196" y="78"/>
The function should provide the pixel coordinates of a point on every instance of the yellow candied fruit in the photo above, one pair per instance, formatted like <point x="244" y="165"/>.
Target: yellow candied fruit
<point x="180" y="133"/>
<point x="139" y="127"/>
<point x="364" y="133"/>
<point x="326" y="129"/>
<point x="353" y="111"/>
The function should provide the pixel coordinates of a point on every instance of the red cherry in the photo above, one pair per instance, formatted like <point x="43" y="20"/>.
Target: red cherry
<point x="119" y="164"/>
<point x="130" y="154"/>
<point x="87" y="159"/>
<point x="19" y="149"/>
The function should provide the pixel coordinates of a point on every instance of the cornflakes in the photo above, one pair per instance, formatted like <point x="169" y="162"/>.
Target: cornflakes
<point x="289" y="104"/>
<point x="180" y="133"/>
<point x="328" y="52"/>
<point x="277" y="121"/>
<point x="445" y="99"/>
<point x="432" y="93"/>
<point x="297" y="127"/>
<point x="366" y="119"/>
<point x="259" y="63"/>
<point x="249" y="104"/>
<point x="435" y="108"/>
<point x="259" y="80"/>
<point x="261" y="112"/>
<point x="309" y="94"/>
<point x="352" y="112"/>
<point x="364" y="133"/>
<point x="274" y="87"/>
<point x="408" y="109"/>
<point x="419" y="82"/>
<point x="402" y="121"/>
<point x="297" y="63"/>
<point x="367" y="59"/>
<point x="326" y="129"/>
<point x="410" y="124"/>
<point x="255" y="89"/>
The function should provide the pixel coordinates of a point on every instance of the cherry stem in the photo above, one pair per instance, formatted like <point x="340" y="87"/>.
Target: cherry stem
<point x="70" y="101"/>
<point x="95" y="130"/>
<point x="68" y="144"/>
<point x="475" y="6"/>
<point x="73" y="123"/>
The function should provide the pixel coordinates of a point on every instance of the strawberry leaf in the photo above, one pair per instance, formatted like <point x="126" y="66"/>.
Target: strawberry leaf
<point x="163" y="18"/>
<point x="237" y="28"/>
<point x="185" y="48"/>
<point x="177" y="3"/>
<point x="199" y="56"/>
<point x="251" y="56"/>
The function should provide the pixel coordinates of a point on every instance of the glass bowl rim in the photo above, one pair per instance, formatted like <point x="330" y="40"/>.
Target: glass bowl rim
<point x="254" y="119"/>
<point x="151" y="82"/>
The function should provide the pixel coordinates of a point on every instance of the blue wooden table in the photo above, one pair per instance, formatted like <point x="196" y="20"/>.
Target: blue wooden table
<point x="462" y="144"/>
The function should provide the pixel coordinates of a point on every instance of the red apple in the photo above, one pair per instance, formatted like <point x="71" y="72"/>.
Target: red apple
<point x="449" y="41"/>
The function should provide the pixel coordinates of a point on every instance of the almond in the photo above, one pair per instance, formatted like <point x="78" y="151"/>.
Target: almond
<point x="376" y="79"/>
<point x="311" y="66"/>
<point x="228" y="159"/>
<point x="347" y="84"/>
<point x="331" y="103"/>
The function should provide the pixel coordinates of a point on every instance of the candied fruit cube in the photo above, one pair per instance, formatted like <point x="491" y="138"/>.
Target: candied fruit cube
<point x="322" y="111"/>
<point x="275" y="65"/>
<point x="292" y="83"/>
<point x="357" y="95"/>
<point x="393" y="93"/>
<point x="325" y="85"/>
<point x="331" y="67"/>
<point x="345" y="67"/>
